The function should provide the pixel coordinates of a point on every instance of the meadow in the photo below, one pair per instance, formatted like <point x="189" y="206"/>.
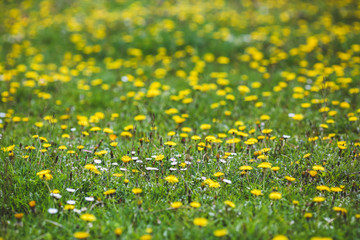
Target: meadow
<point x="167" y="119"/>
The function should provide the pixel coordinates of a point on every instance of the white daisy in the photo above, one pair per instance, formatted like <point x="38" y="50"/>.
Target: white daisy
<point x="52" y="210"/>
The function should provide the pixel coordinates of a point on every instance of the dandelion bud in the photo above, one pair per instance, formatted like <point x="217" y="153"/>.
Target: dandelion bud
<point x="32" y="205"/>
<point x="308" y="216"/>
<point x="19" y="216"/>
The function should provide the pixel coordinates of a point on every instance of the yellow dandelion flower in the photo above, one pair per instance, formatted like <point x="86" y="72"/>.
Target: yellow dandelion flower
<point x="275" y="196"/>
<point x="221" y="232"/>
<point x="88" y="217"/>
<point x="195" y="204"/>
<point x="201" y="222"/>
<point x="126" y="159"/>
<point x="137" y="191"/>
<point x="230" y="203"/>
<point x="118" y="231"/>
<point x="176" y="204"/>
<point x="81" y="235"/>
<point x="146" y="237"/>
<point x="280" y="237"/>
<point x="139" y="117"/>
<point x="109" y="192"/>
<point x="172" y="179"/>
<point x="170" y="143"/>
<point x="318" y="199"/>
<point x="159" y="157"/>
<point x="256" y="192"/>
<point x="218" y="174"/>
<point x="264" y="165"/>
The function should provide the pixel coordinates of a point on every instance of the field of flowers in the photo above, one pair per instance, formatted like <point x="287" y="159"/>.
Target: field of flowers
<point x="169" y="119"/>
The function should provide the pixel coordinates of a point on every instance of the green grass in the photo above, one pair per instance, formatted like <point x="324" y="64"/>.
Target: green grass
<point x="243" y="67"/>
